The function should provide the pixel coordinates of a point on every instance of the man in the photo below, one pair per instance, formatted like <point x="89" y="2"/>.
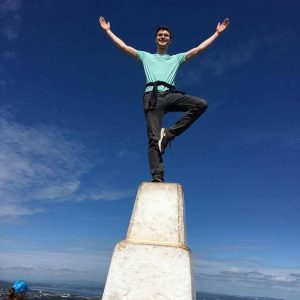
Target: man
<point x="17" y="291"/>
<point x="161" y="95"/>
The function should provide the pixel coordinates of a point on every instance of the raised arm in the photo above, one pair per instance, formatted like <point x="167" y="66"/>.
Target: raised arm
<point x="127" y="49"/>
<point x="195" y="51"/>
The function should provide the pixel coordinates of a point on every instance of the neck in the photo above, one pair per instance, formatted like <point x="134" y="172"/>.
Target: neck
<point x="162" y="51"/>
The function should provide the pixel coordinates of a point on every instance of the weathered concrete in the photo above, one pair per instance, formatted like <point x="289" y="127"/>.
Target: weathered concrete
<point x="154" y="262"/>
<point x="158" y="215"/>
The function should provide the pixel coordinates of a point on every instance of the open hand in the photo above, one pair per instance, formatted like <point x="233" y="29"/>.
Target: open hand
<point x="104" y="25"/>
<point x="221" y="27"/>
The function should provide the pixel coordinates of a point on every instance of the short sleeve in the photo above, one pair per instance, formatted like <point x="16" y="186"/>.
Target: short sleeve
<point x="181" y="57"/>
<point x="141" y="55"/>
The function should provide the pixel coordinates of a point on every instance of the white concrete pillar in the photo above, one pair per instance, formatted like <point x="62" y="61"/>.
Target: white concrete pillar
<point x="154" y="262"/>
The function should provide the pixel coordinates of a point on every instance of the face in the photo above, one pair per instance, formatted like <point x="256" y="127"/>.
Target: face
<point x="163" y="38"/>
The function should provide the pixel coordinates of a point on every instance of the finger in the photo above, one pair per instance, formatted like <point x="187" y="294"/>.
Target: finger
<point x="226" y="21"/>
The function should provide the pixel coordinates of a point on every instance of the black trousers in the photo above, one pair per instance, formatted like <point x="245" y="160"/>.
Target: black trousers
<point x="192" y="107"/>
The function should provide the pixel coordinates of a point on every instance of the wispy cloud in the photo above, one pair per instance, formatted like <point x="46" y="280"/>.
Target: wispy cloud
<point x="254" y="277"/>
<point x="127" y="153"/>
<point x="11" y="19"/>
<point x="10" y="25"/>
<point x="296" y="275"/>
<point x="81" y="264"/>
<point x="287" y="138"/>
<point x="9" y="54"/>
<point x="43" y="163"/>
<point x="39" y="162"/>
<point x="10" y="210"/>
<point x="216" y="63"/>
<point x="105" y="193"/>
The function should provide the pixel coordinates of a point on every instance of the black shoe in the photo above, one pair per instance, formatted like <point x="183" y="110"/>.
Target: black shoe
<point x="157" y="179"/>
<point x="164" y="141"/>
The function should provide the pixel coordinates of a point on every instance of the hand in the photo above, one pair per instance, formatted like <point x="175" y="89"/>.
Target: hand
<point x="104" y="25"/>
<point x="221" y="27"/>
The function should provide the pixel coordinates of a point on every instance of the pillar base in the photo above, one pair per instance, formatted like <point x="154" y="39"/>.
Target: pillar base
<point x="149" y="272"/>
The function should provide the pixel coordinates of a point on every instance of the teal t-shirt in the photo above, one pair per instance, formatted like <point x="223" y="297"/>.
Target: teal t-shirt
<point x="159" y="67"/>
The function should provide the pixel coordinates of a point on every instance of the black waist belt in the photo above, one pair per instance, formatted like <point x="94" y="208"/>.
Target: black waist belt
<point x="153" y="95"/>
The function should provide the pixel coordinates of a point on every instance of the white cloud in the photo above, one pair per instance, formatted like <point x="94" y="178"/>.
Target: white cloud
<point x="9" y="54"/>
<point x="217" y="63"/>
<point x="39" y="162"/>
<point x="248" y="276"/>
<point x="10" y="18"/>
<point x="103" y="192"/>
<point x="80" y="264"/>
<point x="8" y="6"/>
<point x="240" y="277"/>
<point x="36" y="163"/>
<point x="10" y="25"/>
<point x="287" y="138"/>
<point x="127" y="153"/>
<point x="3" y="82"/>
<point x="10" y="210"/>
<point x="44" y="163"/>
<point x="55" y="191"/>
<point x="256" y="276"/>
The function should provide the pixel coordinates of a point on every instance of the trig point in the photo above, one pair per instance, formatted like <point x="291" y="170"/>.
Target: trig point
<point x="154" y="262"/>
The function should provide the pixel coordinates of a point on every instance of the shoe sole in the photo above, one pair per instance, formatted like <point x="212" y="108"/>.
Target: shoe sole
<point x="162" y="132"/>
<point x="156" y="180"/>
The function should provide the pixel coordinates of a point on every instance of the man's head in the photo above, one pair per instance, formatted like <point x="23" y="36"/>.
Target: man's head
<point x="20" y="288"/>
<point x="163" y="37"/>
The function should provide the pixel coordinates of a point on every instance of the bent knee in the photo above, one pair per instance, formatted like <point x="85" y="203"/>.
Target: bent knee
<point x="201" y="105"/>
<point x="204" y="102"/>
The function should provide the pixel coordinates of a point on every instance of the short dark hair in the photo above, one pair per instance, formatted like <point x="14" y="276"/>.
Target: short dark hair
<point x="159" y="28"/>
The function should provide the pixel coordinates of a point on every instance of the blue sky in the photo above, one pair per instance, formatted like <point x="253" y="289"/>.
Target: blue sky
<point x="74" y="150"/>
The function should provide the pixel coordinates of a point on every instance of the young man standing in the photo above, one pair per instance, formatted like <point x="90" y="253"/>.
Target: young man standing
<point x="160" y="94"/>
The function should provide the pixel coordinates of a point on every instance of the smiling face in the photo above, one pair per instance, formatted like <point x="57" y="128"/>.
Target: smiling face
<point x="163" y="39"/>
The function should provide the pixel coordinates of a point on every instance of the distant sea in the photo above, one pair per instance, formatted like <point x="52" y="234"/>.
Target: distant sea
<point x="95" y="291"/>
